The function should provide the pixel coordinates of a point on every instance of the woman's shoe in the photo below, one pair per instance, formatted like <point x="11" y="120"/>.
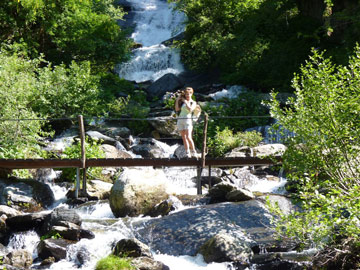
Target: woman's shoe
<point x="194" y="154"/>
<point x="188" y="154"/>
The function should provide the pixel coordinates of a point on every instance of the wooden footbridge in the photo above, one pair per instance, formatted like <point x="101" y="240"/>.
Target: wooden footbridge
<point x="84" y="163"/>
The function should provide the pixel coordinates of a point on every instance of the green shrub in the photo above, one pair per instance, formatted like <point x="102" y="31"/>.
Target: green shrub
<point x="112" y="262"/>
<point x="322" y="158"/>
<point x="92" y="150"/>
<point x="225" y="140"/>
<point x="138" y="107"/>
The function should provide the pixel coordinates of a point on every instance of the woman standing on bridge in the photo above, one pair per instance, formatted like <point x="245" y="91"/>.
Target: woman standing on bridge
<point x="186" y="105"/>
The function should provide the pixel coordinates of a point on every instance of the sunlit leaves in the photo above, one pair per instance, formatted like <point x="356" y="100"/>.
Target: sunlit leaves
<point x="323" y="157"/>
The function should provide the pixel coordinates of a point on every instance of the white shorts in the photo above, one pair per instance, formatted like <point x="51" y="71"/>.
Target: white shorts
<point x="183" y="124"/>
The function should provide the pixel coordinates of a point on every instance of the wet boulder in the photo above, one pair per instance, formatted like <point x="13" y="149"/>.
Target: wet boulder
<point x="8" y="211"/>
<point x="99" y="189"/>
<point x="148" y="148"/>
<point x="137" y="191"/>
<point x="53" y="248"/>
<point x="225" y="248"/>
<point x="239" y="195"/>
<point x="167" y="83"/>
<point x="139" y="253"/>
<point x="113" y="152"/>
<point x="19" y="258"/>
<point x="26" y="221"/>
<point x="219" y="191"/>
<point x="276" y="149"/>
<point x="72" y="232"/>
<point x="146" y="263"/>
<point x="25" y="194"/>
<point x="163" y="208"/>
<point x="165" y="126"/>
<point x="60" y="217"/>
<point x="3" y="228"/>
<point x="131" y="248"/>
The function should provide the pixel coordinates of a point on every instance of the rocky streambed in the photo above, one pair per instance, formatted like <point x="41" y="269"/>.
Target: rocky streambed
<point x="153" y="210"/>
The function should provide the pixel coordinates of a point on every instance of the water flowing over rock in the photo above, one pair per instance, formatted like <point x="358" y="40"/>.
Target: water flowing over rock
<point x="153" y="60"/>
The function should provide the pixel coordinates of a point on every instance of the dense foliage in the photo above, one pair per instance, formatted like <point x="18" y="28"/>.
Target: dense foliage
<point x="18" y="139"/>
<point x="66" y="30"/>
<point x="56" y="61"/>
<point x="30" y="91"/>
<point x="92" y="150"/>
<point x="262" y="43"/>
<point x="323" y="157"/>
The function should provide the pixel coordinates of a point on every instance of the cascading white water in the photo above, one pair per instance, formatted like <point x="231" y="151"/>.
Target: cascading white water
<point x="155" y="22"/>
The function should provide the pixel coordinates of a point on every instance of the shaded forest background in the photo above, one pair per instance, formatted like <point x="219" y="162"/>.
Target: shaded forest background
<point x="261" y="43"/>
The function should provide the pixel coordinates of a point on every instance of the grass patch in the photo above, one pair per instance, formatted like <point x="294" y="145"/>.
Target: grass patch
<point x="112" y="262"/>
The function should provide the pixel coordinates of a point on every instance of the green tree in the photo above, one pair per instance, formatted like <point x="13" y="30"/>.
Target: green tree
<point x="66" y="30"/>
<point x="17" y="83"/>
<point x="67" y="92"/>
<point x="322" y="159"/>
<point x="261" y="43"/>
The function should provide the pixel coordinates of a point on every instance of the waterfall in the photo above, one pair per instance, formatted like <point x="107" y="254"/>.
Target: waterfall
<point x="155" y="22"/>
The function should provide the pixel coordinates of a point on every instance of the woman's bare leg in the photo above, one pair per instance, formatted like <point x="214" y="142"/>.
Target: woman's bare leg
<point x="190" y="142"/>
<point x="183" y="134"/>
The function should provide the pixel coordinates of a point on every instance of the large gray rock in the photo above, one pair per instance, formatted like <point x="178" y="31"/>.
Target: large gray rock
<point x="148" y="148"/>
<point x="219" y="191"/>
<point x="239" y="195"/>
<point x="20" y="258"/>
<point x="27" y="221"/>
<point x="184" y="232"/>
<point x="97" y="136"/>
<point x="27" y="195"/>
<point x="165" y="125"/>
<point x="146" y="263"/>
<point x="137" y="191"/>
<point x="224" y="248"/>
<point x="72" y="232"/>
<point x="99" y="189"/>
<point x="53" y="248"/>
<point x="60" y="217"/>
<point x="167" y="83"/>
<point x="275" y="149"/>
<point x="131" y="248"/>
<point x="8" y="211"/>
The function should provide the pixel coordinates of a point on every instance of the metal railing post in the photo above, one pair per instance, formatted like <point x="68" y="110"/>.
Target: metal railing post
<point x="83" y="153"/>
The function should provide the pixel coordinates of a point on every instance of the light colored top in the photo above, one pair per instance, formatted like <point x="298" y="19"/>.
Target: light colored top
<point x="185" y="112"/>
